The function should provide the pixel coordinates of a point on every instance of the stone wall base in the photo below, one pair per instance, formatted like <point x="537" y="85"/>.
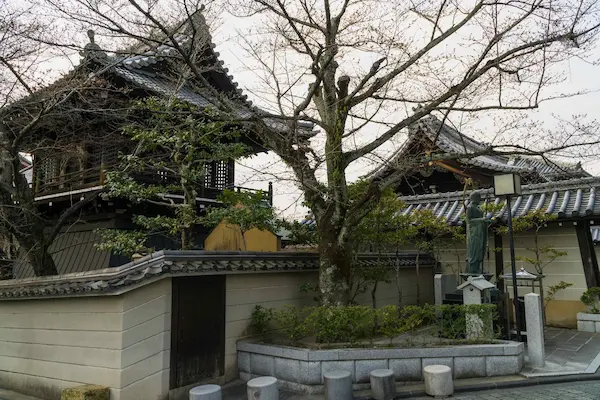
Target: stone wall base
<point x="303" y="369"/>
<point x="587" y="322"/>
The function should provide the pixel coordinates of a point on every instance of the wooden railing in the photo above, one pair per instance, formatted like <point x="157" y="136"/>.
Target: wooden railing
<point x="67" y="182"/>
<point x="96" y="177"/>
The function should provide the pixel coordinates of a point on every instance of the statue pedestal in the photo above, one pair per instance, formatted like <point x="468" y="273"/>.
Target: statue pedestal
<point x="465" y="276"/>
<point x="476" y="289"/>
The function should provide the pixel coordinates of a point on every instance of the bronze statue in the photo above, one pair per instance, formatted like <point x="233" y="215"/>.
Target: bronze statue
<point x="477" y="235"/>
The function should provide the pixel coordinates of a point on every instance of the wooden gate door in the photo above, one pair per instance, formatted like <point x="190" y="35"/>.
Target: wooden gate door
<point x="197" y="329"/>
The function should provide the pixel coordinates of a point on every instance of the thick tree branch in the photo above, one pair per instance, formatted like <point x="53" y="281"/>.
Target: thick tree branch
<point x="384" y="80"/>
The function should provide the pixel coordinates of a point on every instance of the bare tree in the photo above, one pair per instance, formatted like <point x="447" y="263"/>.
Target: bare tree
<point x="363" y="71"/>
<point x="27" y="113"/>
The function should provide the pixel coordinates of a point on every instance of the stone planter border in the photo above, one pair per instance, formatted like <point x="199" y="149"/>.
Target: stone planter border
<point x="302" y="369"/>
<point x="587" y="322"/>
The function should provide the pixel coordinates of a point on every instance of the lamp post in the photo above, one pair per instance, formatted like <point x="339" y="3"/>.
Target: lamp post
<point x="509" y="185"/>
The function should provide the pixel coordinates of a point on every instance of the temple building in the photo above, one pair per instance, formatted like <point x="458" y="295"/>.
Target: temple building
<point x="75" y="147"/>
<point x="565" y="191"/>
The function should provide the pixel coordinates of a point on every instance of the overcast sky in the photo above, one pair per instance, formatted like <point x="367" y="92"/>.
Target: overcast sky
<point x="256" y="172"/>
<point x="580" y="75"/>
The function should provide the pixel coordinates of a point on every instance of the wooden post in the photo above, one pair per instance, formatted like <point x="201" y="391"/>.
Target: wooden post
<point x="499" y="261"/>
<point x="102" y="173"/>
<point x="588" y="254"/>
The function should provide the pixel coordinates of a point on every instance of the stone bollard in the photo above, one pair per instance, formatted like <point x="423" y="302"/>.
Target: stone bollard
<point x="206" y="392"/>
<point x="383" y="385"/>
<point x="263" y="388"/>
<point x="438" y="380"/>
<point x="338" y="385"/>
<point x="534" y="319"/>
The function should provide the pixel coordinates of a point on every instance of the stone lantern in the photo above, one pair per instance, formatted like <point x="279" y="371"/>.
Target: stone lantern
<point x="475" y="289"/>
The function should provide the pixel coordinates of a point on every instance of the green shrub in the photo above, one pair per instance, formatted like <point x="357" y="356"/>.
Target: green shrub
<point x="590" y="299"/>
<point x="452" y="324"/>
<point x="393" y="320"/>
<point x="260" y="320"/>
<point x="416" y="316"/>
<point x="291" y="322"/>
<point x="389" y="323"/>
<point x="337" y="324"/>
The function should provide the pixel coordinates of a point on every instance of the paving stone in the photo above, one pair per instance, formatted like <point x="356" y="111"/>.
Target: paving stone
<point x="562" y="391"/>
<point x="567" y="346"/>
<point x="563" y="353"/>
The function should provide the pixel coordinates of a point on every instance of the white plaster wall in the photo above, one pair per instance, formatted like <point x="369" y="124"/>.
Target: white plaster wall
<point x="120" y="341"/>
<point x="387" y="293"/>
<point x="244" y="292"/>
<point x="568" y="268"/>
<point x="146" y="343"/>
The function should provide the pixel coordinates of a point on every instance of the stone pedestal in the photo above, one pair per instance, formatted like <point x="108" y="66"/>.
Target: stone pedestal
<point x="438" y="380"/>
<point x="383" y="385"/>
<point x="473" y="289"/>
<point x="535" y="329"/>
<point x="206" y="392"/>
<point x="338" y="385"/>
<point x="263" y="388"/>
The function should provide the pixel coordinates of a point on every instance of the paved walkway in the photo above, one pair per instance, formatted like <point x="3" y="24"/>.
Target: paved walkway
<point x="568" y="351"/>
<point x="558" y="391"/>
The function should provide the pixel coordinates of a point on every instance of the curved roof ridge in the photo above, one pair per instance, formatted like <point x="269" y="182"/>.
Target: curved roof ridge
<point x="566" y="184"/>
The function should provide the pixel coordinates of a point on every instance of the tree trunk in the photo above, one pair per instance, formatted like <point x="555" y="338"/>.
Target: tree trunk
<point x="398" y="287"/>
<point x="334" y="273"/>
<point x="374" y="294"/>
<point x="42" y="262"/>
<point x="418" y="285"/>
<point x="189" y="200"/>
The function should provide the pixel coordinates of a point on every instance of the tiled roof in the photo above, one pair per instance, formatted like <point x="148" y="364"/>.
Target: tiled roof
<point x="165" y="264"/>
<point x="452" y="141"/>
<point x="142" y="70"/>
<point x="566" y="199"/>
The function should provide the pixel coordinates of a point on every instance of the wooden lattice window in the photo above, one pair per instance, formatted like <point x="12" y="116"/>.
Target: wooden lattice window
<point x="106" y="155"/>
<point x="47" y="169"/>
<point x="221" y="175"/>
<point x="209" y="175"/>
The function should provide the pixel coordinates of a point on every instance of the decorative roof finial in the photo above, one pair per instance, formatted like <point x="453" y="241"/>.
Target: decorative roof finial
<point x="92" y="50"/>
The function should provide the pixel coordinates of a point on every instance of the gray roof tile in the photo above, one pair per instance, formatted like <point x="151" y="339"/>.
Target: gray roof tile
<point x="450" y="140"/>
<point x="565" y="199"/>
<point x="176" y="263"/>
<point x="141" y="70"/>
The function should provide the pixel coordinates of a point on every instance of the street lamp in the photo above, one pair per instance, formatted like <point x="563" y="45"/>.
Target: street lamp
<point x="509" y="185"/>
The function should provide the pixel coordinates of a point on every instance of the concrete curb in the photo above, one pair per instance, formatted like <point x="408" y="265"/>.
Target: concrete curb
<point x="546" y="380"/>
